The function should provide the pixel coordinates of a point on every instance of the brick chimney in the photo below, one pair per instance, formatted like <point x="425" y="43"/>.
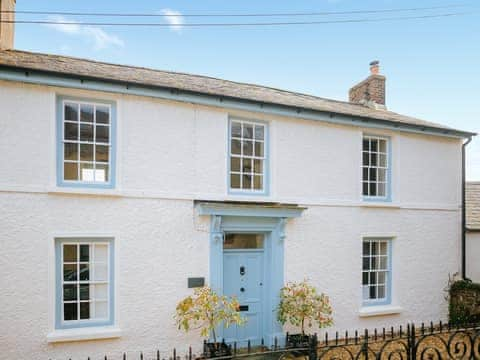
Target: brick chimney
<point x="371" y="91"/>
<point x="7" y="28"/>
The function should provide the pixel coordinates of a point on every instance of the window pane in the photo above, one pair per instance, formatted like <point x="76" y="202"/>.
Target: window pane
<point x="70" y="151"/>
<point x="86" y="172"/>
<point x="101" y="292"/>
<point x="383" y="146"/>
<point x="86" y="152"/>
<point x="382" y="174"/>
<point x="84" y="292"/>
<point x="258" y="182"/>
<point x="71" y="112"/>
<point x="366" y="263"/>
<point x="69" y="292"/>
<point x="248" y="131"/>
<point x="248" y="148"/>
<point x="374" y="247"/>
<point x="373" y="277"/>
<point x="101" y="253"/>
<point x="365" y="278"/>
<point x="84" y="310"/>
<point x="84" y="272"/>
<point x="259" y="149"/>
<point x="236" y="147"/>
<point x="236" y="129"/>
<point x="247" y="182"/>
<point x="382" y="160"/>
<point x="247" y="165"/>
<point x="373" y="174"/>
<point x="101" y="173"/>
<point x="101" y="310"/>
<point x="372" y="292"/>
<point x="70" y="131"/>
<point x="374" y="145"/>
<point x="101" y="153"/>
<point x="86" y="113"/>
<point x="234" y="164"/>
<point x="373" y="159"/>
<point x="102" y="134"/>
<point x="365" y="188"/>
<point x="101" y="272"/>
<point x="383" y="262"/>
<point x="258" y="166"/>
<point x="70" y="311"/>
<point x="381" y="189"/>
<point x="235" y="181"/>
<point x="70" y="272"/>
<point x="243" y="241"/>
<point x="365" y="174"/>
<point x="381" y="277"/>
<point x="366" y="248"/>
<point x="259" y="132"/>
<point x="366" y="162"/>
<point x="86" y="132"/>
<point x="383" y="248"/>
<point x="84" y="252"/>
<point x="70" y="171"/>
<point x="381" y="292"/>
<point x="365" y="145"/>
<point x="102" y="115"/>
<point x="373" y="189"/>
<point x="69" y="253"/>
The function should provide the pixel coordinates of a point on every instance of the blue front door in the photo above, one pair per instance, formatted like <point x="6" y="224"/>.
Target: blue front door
<point x="243" y="277"/>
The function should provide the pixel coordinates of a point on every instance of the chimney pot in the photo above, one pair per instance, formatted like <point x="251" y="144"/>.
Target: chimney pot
<point x="7" y="25"/>
<point x="375" y="67"/>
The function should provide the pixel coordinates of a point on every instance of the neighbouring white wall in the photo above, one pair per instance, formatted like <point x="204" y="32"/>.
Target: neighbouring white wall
<point x="170" y="154"/>
<point x="473" y="255"/>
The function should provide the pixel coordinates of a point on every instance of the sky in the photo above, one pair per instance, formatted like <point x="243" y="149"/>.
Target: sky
<point x="432" y="65"/>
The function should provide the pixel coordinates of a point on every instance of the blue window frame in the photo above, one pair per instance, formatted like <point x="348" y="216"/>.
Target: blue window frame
<point x="86" y="142"/>
<point x="376" y="271"/>
<point x="376" y="168"/>
<point x="247" y="157"/>
<point x="84" y="282"/>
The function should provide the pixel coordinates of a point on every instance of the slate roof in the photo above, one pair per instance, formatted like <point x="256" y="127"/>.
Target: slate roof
<point x="202" y="84"/>
<point x="472" y="203"/>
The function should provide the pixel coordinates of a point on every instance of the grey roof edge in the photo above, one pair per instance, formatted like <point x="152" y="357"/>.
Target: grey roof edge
<point x="426" y="127"/>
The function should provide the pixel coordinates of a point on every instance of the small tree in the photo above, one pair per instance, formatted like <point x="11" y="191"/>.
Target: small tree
<point x="205" y="310"/>
<point x="301" y="305"/>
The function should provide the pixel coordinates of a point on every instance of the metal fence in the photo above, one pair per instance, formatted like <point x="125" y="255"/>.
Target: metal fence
<point x="425" y="342"/>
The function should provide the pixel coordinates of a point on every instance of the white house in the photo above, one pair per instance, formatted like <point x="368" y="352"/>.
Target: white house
<point x="473" y="231"/>
<point x="122" y="187"/>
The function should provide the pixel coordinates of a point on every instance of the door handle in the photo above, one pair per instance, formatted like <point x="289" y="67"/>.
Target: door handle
<point x="242" y="270"/>
<point x="242" y="289"/>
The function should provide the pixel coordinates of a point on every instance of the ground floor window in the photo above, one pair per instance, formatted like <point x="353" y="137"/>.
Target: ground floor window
<point x="84" y="282"/>
<point x="376" y="271"/>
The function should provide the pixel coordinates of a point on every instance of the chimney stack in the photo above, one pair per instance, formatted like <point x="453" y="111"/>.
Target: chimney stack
<point x="371" y="91"/>
<point x="7" y="27"/>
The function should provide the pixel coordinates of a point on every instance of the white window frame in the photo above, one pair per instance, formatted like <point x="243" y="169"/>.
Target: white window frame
<point x="61" y="323"/>
<point x="253" y="157"/>
<point x="387" y="270"/>
<point x="377" y="168"/>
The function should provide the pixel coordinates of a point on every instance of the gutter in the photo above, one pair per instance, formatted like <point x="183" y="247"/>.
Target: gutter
<point x="464" y="215"/>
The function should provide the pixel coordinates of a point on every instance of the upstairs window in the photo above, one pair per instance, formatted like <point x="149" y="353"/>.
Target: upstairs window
<point x="86" y="144"/>
<point x="247" y="161"/>
<point x="375" y="167"/>
<point x="376" y="270"/>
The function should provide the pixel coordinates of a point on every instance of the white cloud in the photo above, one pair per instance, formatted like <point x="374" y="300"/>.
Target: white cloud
<point x="174" y="18"/>
<point x="93" y="34"/>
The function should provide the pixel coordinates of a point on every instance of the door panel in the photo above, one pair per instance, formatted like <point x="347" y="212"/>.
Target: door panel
<point x="243" y="278"/>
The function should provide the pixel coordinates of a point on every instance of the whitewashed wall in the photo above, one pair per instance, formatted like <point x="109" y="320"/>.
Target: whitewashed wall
<point x="473" y="255"/>
<point x="170" y="154"/>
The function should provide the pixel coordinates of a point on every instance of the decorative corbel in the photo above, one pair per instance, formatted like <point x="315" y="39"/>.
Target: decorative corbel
<point x="282" y="222"/>
<point x="217" y="227"/>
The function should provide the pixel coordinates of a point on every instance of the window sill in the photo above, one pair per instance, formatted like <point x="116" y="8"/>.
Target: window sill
<point x="82" y="334"/>
<point x="84" y="191"/>
<point x="379" y="204"/>
<point x="379" y="310"/>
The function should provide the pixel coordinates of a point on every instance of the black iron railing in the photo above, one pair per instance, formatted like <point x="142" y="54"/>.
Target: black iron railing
<point x="425" y="342"/>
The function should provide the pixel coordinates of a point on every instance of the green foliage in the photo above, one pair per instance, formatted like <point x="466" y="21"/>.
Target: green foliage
<point x="205" y="310"/>
<point x="301" y="305"/>
<point x="461" y="309"/>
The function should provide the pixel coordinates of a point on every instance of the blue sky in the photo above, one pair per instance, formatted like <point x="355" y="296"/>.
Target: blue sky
<point x="432" y="65"/>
